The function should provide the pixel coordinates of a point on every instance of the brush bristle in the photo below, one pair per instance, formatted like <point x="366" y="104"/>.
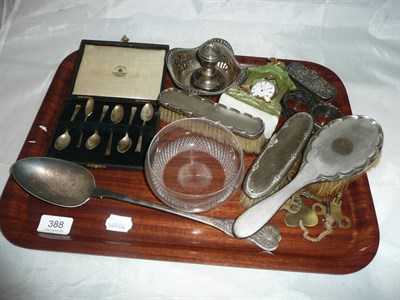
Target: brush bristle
<point x="247" y="202"/>
<point x="248" y="145"/>
<point x="325" y="189"/>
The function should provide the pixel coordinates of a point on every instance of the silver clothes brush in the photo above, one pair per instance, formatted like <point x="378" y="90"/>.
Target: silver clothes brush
<point x="272" y="167"/>
<point x="177" y="104"/>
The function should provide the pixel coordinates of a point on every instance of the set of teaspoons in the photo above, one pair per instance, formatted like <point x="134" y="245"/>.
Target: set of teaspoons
<point x="116" y="116"/>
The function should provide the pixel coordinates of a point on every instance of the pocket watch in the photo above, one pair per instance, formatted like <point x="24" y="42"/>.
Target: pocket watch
<point x="269" y="82"/>
<point x="264" y="89"/>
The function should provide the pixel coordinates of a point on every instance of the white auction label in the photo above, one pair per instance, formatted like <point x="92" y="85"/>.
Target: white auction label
<point x="55" y="224"/>
<point x="118" y="223"/>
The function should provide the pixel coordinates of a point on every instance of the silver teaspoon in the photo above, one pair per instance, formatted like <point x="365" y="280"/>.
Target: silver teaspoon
<point x="64" y="183"/>
<point x="126" y="142"/>
<point x="146" y="114"/>
<point x="64" y="139"/>
<point x="88" y="111"/>
<point x="94" y="140"/>
<point x="116" y="116"/>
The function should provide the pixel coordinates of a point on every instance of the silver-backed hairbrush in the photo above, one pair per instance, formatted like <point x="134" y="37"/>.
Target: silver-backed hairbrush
<point x="340" y="150"/>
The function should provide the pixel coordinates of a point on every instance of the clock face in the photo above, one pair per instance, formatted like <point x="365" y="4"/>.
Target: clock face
<point x="264" y="89"/>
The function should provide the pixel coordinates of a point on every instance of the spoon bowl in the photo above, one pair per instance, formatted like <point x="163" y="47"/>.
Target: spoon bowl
<point x="146" y="114"/>
<point x="117" y="114"/>
<point x="64" y="139"/>
<point x="125" y="143"/>
<point x="66" y="184"/>
<point x="94" y="140"/>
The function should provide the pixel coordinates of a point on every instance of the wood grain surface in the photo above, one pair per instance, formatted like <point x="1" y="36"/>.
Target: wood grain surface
<point x="159" y="236"/>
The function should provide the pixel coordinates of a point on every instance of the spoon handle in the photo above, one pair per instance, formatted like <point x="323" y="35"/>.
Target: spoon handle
<point x="258" y="215"/>
<point x="76" y="110"/>
<point x="109" y="144"/>
<point x="225" y="225"/>
<point x="133" y="113"/>
<point x="267" y="238"/>
<point x="88" y="111"/>
<point x="103" y="113"/>
<point x="139" y="142"/>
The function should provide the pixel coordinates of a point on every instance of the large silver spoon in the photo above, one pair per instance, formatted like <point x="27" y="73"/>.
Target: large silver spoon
<point x="342" y="149"/>
<point x="116" y="116"/>
<point x="64" y="183"/>
<point x="146" y="114"/>
<point x="126" y="142"/>
<point x="94" y="140"/>
<point x="88" y="111"/>
<point x="64" y="139"/>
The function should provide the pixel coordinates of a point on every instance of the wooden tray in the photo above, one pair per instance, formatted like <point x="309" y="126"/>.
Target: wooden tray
<point x="159" y="236"/>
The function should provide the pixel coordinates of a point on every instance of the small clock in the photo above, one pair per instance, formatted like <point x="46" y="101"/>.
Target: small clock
<point x="261" y="93"/>
<point x="264" y="89"/>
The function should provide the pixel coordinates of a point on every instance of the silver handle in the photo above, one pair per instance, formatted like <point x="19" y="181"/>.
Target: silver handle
<point x="109" y="143"/>
<point x="225" y="225"/>
<point x="76" y="110"/>
<point x="267" y="238"/>
<point x="139" y="142"/>
<point x="133" y="113"/>
<point x="250" y="221"/>
<point x="103" y="113"/>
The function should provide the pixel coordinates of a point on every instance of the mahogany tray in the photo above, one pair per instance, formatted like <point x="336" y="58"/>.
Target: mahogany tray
<point x="159" y="236"/>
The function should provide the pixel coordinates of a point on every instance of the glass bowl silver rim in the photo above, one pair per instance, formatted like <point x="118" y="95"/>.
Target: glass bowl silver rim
<point x="237" y="179"/>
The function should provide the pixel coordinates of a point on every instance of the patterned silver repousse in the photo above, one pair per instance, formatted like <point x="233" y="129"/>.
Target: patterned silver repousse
<point x="311" y="81"/>
<point x="182" y="63"/>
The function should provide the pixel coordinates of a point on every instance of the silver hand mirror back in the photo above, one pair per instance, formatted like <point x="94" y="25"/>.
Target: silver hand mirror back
<point x="340" y="150"/>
